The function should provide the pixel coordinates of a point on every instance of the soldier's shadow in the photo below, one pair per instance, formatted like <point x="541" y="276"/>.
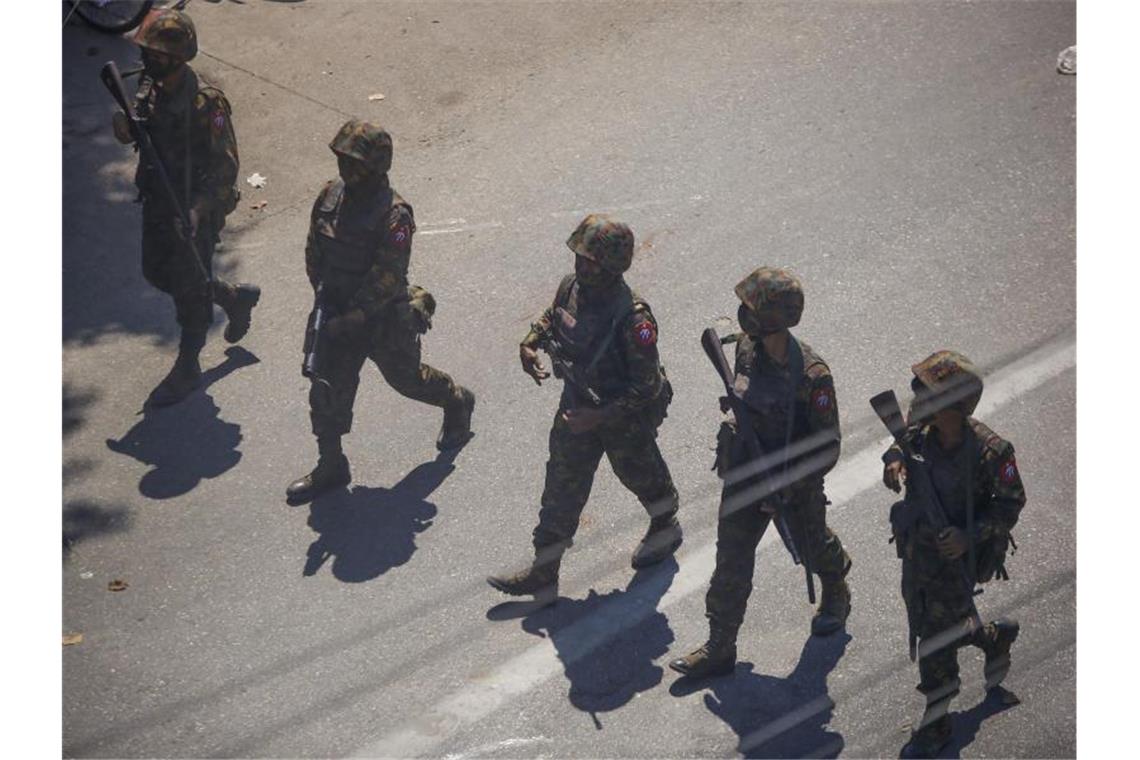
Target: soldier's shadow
<point x="187" y="442"/>
<point x="778" y="717"/>
<point x="967" y="723"/>
<point x="368" y="531"/>
<point x="608" y="643"/>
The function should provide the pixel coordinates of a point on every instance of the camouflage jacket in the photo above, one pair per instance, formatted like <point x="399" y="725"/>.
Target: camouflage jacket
<point x="627" y="374"/>
<point x="762" y="384"/>
<point x="193" y="133"/>
<point x="998" y="492"/>
<point x="360" y="247"/>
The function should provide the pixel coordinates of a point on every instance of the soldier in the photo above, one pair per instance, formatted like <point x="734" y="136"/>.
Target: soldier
<point x="602" y="339"/>
<point x="789" y="392"/>
<point x="977" y="485"/>
<point x="358" y="250"/>
<point x="190" y="126"/>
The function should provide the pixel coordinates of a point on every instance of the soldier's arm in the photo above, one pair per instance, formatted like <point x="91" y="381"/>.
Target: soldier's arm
<point x="538" y="326"/>
<point x="638" y="337"/>
<point x="215" y="154"/>
<point x="312" y="252"/>
<point x="385" y="279"/>
<point x="823" y="420"/>
<point x="1002" y="481"/>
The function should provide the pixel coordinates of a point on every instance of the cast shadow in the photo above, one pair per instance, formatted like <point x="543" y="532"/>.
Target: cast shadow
<point x="778" y="717"/>
<point x="368" y="531"/>
<point x="607" y="642"/>
<point x="968" y="723"/>
<point x="187" y="442"/>
<point x="84" y="519"/>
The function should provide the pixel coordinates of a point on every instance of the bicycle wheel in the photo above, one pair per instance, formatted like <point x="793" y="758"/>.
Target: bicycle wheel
<point x="112" y="16"/>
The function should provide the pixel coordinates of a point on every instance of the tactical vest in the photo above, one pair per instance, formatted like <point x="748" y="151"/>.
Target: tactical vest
<point x="587" y="332"/>
<point x="350" y="239"/>
<point x="168" y="122"/>
<point x="767" y="393"/>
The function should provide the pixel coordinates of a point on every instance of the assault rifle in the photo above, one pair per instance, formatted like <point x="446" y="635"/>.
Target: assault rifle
<point x="113" y="81"/>
<point x="712" y="344"/>
<point x="314" y="336"/>
<point x="923" y="501"/>
<point x="565" y="369"/>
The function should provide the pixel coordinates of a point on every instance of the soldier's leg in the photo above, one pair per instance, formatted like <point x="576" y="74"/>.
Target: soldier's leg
<point x="396" y="351"/>
<point x="995" y="639"/>
<point x="738" y="534"/>
<point x="569" y="477"/>
<point x="631" y="447"/>
<point x="330" y="411"/>
<point x="827" y="558"/>
<point x="166" y="266"/>
<point x="935" y="609"/>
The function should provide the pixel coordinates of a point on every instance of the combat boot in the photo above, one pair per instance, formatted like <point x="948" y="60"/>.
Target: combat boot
<point x="716" y="657"/>
<point x="997" y="651"/>
<point x="834" y="605"/>
<point x="331" y="472"/>
<point x="660" y="541"/>
<point x="929" y="740"/>
<point x="540" y="579"/>
<point x="184" y="376"/>
<point x="456" y="429"/>
<point x="237" y="301"/>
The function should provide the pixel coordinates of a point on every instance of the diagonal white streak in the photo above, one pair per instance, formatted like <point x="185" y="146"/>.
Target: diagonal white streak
<point x="854" y="474"/>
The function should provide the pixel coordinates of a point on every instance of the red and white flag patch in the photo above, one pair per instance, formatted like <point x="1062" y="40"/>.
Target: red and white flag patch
<point x="645" y="332"/>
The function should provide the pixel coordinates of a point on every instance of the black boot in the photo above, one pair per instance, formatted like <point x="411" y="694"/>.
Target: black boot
<point x="929" y="740"/>
<point x="456" y="429"/>
<point x="834" y="606"/>
<point x="331" y="472"/>
<point x="716" y="657"/>
<point x="540" y="579"/>
<point x="237" y="301"/>
<point x="184" y="376"/>
<point x="660" y="541"/>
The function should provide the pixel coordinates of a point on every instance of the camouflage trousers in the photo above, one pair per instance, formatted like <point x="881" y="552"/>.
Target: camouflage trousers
<point x="739" y="533"/>
<point x="937" y="603"/>
<point x="393" y="345"/>
<point x="631" y="446"/>
<point x="167" y="266"/>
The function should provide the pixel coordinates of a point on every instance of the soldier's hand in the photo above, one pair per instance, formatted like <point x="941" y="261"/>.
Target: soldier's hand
<point x="583" y="419"/>
<point x="347" y="325"/>
<point x="121" y="127"/>
<point x="952" y="543"/>
<point x="894" y="475"/>
<point x="532" y="364"/>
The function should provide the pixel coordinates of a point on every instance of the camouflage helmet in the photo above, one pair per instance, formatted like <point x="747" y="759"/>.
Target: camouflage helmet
<point x="365" y="142"/>
<point x="603" y="240"/>
<point x="953" y="380"/>
<point x="168" y="31"/>
<point x="775" y="295"/>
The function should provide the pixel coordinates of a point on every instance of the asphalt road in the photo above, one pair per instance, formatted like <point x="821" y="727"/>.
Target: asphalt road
<point x="913" y="161"/>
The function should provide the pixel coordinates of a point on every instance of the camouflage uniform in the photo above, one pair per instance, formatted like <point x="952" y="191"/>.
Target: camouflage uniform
<point x="771" y="302"/>
<point x="609" y="332"/>
<point x="979" y="488"/>
<point x="192" y="132"/>
<point x="358" y="250"/>
<point x="764" y="386"/>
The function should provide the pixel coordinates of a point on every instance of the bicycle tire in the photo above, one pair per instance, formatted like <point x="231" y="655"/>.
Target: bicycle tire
<point x="112" y="16"/>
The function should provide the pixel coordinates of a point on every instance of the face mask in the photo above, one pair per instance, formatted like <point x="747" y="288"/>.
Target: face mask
<point x="354" y="173"/>
<point x="159" y="68"/>
<point x="590" y="274"/>
<point x="756" y="324"/>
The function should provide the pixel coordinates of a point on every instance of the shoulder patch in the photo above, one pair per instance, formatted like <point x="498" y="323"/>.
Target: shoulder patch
<point x="645" y="333"/>
<point x="401" y="227"/>
<point x="822" y="401"/>
<point x="1007" y="473"/>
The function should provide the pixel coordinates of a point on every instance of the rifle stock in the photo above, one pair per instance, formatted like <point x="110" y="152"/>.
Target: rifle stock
<point x="314" y="337"/>
<point x="565" y="369"/>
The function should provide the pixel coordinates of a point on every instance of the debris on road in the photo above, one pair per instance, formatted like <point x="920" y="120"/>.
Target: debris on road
<point x="256" y="180"/>
<point x="71" y="639"/>
<point x="376" y="96"/>
<point x="117" y="585"/>
<point x="259" y="205"/>
<point x="87" y="575"/>
<point x="1067" y="61"/>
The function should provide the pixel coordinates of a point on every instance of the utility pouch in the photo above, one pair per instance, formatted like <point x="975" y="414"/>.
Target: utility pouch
<point x="659" y="409"/>
<point x="421" y="308"/>
<point x="991" y="559"/>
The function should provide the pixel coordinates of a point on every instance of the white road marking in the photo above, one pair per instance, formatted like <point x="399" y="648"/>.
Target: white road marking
<point x="518" y="675"/>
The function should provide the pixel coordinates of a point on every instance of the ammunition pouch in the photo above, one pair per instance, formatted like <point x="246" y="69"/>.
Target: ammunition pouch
<point x="420" y="309"/>
<point x="659" y="409"/>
